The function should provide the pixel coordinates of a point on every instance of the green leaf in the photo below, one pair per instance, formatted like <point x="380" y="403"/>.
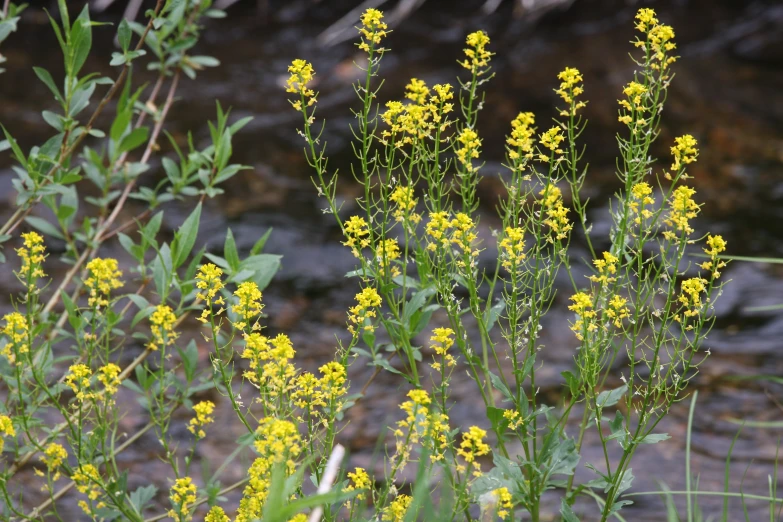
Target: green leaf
<point x="119" y="125"/>
<point x="133" y="139"/>
<point x="230" y="251"/>
<point x="498" y="384"/>
<point x="47" y="80"/>
<point x="654" y="438"/>
<point x="573" y="383"/>
<point x="611" y="397"/>
<point x="263" y="266"/>
<point x="44" y="226"/>
<point x="566" y="512"/>
<point x="185" y="237"/>
<point x="142" y="496"/>
<point x="81" y="41"/>
<point x="124" y="35"/>
<point x="418" y="300"/>
<point x="493" y="313"/>
<point x="189" y="360"/>
<point x="259" y="246"/>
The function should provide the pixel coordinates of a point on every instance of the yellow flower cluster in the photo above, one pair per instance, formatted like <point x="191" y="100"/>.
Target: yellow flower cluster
<point x="659" y="38"/>
<point x="442" y="339"/>
<point x="504" y="502"/>
<point x="583" y="307"/>
<point x="388" y="251"/>
<point x="104" y="277"/>
<point x="421" y="424"/>
<point x="551" y="140"/>
<point x="270" y="366"/>
<point x="78" y="379"/>
<point x="618" y="310"/>
<point x="690" y="297"/>
<point x="32" y="255"/>
<point x="463" y="236"/>
<point x="203" y="411"/>
<point x="333" y="381"/>
<point x="512" y="248"/>
<point x="521" y="140"/>
<point x="715" y="245"/>
<point x="682" y="208"/>
<point x="514" y="419"/>
<point x="468" y="149"/>
<point x="417" y="120"/>
<point x="473" y="446"/>
<point x="16" y="330"/>
<point x="302" y="73"/>
<point x="556" y="213"/>
<point x="162" y="327"/>
<point x="362" y="313"/>
<point x="405" y="203"/>
<point x="356" y="232"/>
<point x="606" y="267"/>
<point x="307" y="393"/>
<point x="108" y="375"/>
<point x="209" y="284"/>
<point x="88" y="482"/>
<point x="634" y="106"/>
<point x="570" y="88"/>
<point x="684" y="152"/>
<point x="417" y="91"/>
<point x="277" y="441"/>
<point x="216" y="514"/>
<point x="476" y="55"/>
<point x="182" y="496"/>
<point x="6" y="430"/>
<point x="641" y="200"/>
<point x="53" y="456"/>
<point x="397" y="509"/>
<point x="360" y="481"/>
<point x="437" y="230"/>
<point x="248" y="305"/>
<point x="373" y="29"/>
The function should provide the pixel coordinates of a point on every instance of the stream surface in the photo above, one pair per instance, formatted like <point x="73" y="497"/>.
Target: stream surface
<point x="728" y="93"/>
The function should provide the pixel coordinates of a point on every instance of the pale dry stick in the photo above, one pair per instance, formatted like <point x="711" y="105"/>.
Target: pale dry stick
<point x="5" y="8"/>
<point x="24" y="459"/>
<point x="45" y="504"/>
<point x="330" y="474"/>
<point x="18" y="216"/>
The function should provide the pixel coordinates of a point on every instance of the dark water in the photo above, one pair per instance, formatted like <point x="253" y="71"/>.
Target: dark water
<point x="728" y="92"/>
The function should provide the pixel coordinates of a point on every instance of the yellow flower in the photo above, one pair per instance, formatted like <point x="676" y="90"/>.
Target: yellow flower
<point x="6" y="429"/>
<point x="182" y="496"/>
<point x="464" y="233"/>
<point x="108" y="375"/>
<point x="373" y="29"/>
<point x="476" y="55"/>
<point x="249" y="304"/>
<point x="606" y="268"/>
<point x="16" y="330"/>
<point x="473" y="446"/>
<point x="302" y="73"/>
<point x="203" y="411"/>
<point x="209" y="284"/>
<point x="307" y="393"/>
<point x="504" y="502"/>
<point x="640" y="202"/>
<point x="468" y="149"/>
<point x="715" y="245"/>
<point x="88" y="482"/>
<point x="360" y="481"/>
<point x="684" y="152"/>
<point x="682" y="208"/>
<point x="367" y="300"/>
<point x="514" y="419"/>
<point x="583" y="307"/>
<point x="522" y="136"/>
<point x="437" y="229"/>
<point x="104" y="277"/>
<point x="53" y="456"/>
<point x="512" y="248"/>
<point x="388" y="251"/>
<point x="78" y="379"/>
<point x="551" y="139"/>
<point x="32" y="255"/>
<point x="442" y="339"/>
<point x="356" y="232"/>
<point x="556" y="213"/>
<point x="395" y="512"/>
<point x="405" y="203"/>
<point x="162" y="327"/>
<point x="618" y="310"/>
<point x="646" y="19"/>
<point x="691" y="296"/>
<point x="570" y="88"/>
<point x="417" y="91"/>
<point x="333" y="381"/>
<point x="216" y="514"/>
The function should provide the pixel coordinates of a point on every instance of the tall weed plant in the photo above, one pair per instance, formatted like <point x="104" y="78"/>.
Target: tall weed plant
<point x="639" y="317"/>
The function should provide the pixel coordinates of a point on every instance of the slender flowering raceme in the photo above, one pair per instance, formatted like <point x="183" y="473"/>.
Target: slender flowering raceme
<point x="203" y="418"/>
<point x="468" y="149"/>
<point x="373" y="29"/>
<point x="360" y="481"/>
<point x="16" y="332"/>
<point x="715" y="245"/>
<point x="397" y="509"/>
<point x="476" y="55"/>
<point x="6" y="430"/>
<point x="301" y="74"/>
<point x="78" y="379"/>
<point x="362" y="314"/>
<point x="32" y="254"/>
<point x="357" y="234"/>
<point x="162" y="323"/>
<point x="570" y="88"/>
<point x="248" y="306"/>
<point x="216" y="514"/>
<point x="108" y="375"/>
<point x="53" y="457"/>
<point x="512" y="248"/>
<point x="473" y="446"/>
<point x="684" y="152"/>
<point x="682" y="208"/>
<point x="442" y="339"/>
<point x="522" y="139"/>
<point x="182" y="496"/>
<point x="209" y="283"/>
<point x="104" y="277"/>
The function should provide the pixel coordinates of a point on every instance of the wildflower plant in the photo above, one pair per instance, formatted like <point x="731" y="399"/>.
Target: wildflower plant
<point x="643" y="307"/>
<point x="116" y="330"/>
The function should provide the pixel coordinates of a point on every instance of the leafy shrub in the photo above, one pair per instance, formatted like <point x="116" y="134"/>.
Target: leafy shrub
<point x="419" y="264"/>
